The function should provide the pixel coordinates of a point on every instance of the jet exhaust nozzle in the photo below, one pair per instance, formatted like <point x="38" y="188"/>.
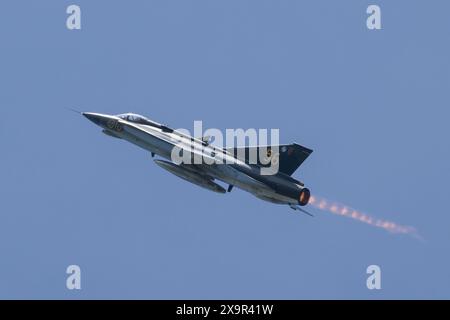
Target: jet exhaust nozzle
<point x="304" y="197"/>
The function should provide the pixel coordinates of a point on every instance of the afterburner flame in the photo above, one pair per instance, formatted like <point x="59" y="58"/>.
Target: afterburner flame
<point x="346" y="211"/>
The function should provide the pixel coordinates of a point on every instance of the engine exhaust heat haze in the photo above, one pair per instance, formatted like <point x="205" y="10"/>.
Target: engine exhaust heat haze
<point x="346" y="211"/>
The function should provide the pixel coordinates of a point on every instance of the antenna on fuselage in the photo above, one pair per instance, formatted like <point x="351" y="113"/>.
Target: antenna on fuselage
<point x="73" y="110"/>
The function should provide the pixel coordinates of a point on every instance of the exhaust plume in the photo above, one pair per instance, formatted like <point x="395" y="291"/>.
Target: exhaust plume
<point x="347" y="211"/>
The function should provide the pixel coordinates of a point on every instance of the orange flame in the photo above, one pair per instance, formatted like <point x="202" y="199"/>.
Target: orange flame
<point x="346" y="211"/>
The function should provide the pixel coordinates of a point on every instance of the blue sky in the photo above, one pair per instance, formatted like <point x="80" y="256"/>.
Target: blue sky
<point x="373" y="105"/>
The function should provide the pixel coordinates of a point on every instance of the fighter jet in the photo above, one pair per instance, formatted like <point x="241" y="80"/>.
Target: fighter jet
<point x="233" y="166"/>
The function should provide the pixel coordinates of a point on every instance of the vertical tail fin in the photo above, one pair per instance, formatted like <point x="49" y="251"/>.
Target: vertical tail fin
<point x="291" y="156"/>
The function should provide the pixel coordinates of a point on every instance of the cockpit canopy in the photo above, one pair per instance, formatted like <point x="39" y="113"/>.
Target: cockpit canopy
<point x="136" y="118"/>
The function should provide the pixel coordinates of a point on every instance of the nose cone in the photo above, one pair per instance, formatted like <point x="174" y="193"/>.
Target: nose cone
<point x="97" y="118"/>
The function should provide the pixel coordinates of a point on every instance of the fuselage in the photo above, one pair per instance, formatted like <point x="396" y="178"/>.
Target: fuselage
<point x="224" y="166"/>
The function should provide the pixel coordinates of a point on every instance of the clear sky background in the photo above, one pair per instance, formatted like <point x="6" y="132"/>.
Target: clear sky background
<point x="374" y="106"/>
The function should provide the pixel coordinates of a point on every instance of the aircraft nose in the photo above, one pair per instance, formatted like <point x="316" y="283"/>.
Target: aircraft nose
<point x="89" y="115"/>
<point x="95" y="118"/>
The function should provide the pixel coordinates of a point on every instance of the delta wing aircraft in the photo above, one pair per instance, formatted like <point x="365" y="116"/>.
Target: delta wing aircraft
<point x="229" y="165"/>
